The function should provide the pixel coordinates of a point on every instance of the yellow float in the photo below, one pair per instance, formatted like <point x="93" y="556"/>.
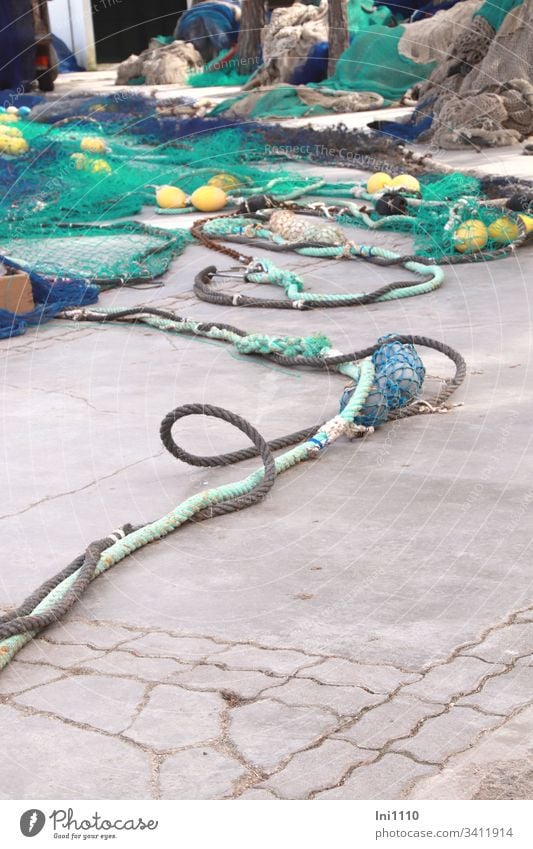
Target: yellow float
<point x="79" y="160"/>
<point x="10" y="131"/>
<point x="13" y="146"/>
<point x="170" y="197"/>
<point x="407" y="182"/>
<point x="209" y="199"/>
<point x="528" y="221"/>
<point x="470" y="237"/>
<point x="377" y="182"/>
<point x="100" y="166"/>
<point x="503" y="230"/>
<point x="93" y="144"/>
<point x="226" y="182"/>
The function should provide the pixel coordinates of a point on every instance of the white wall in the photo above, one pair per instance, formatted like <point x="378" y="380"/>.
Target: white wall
<point x="71" y="20"/>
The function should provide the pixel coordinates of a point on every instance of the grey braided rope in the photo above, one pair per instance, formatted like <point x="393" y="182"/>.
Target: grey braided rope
<point x="22" y="620"/>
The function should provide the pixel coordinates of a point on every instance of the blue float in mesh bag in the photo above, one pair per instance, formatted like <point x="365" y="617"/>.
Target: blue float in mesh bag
<point x="399" y="377"/>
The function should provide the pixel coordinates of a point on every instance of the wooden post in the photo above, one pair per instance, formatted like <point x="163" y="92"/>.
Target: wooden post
<point x="338" y="32"/>
<point x="249" y="43"/>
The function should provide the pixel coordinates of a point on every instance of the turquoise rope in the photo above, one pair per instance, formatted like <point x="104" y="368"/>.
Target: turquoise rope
<point x="293" y="284"/>
<point x="188" y="508"/>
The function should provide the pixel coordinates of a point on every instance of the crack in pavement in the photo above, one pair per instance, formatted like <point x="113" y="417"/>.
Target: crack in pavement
<point x="48" y="498"/>
<point x="61" y="392"/>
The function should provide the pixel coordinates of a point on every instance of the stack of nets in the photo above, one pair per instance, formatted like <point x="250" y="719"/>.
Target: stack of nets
<point x="380" y="65"/>
<point x="482" y="92"/>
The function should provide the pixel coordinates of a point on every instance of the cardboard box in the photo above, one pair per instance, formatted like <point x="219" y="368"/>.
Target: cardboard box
<point x="16" y="293"/>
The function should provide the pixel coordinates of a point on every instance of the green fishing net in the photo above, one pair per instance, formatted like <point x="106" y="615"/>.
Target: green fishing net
<point x="454" y="212"/>
<point x="219" y="73"/>
<point x="123" y="253"/>
<point x="59" y="180"/>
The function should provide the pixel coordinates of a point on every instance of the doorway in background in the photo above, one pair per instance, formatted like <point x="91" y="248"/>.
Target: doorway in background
<point x="123" y="27"/>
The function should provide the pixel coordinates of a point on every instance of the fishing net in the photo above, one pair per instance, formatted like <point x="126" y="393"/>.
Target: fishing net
<point x="455" y="213"/>
<point x="482" y="93"/>
<point x="160" y="65"/>
<point x="57" y="180"/>
<point x="379" y="66"/>
<point x="449" y="216"/>
<point x="399" y="377"/>
<point x="102" y="160"/>
<point x="222" y="71"/>
<point x="128" y="253"/>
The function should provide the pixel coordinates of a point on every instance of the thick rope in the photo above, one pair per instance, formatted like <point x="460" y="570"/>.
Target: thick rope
<point x="55" y="597"/>
<point x="432" y="277"/>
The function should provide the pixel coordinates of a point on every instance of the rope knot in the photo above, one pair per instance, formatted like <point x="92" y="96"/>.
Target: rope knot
<point x="264" y="271"/>
<point x="287" y="346"/>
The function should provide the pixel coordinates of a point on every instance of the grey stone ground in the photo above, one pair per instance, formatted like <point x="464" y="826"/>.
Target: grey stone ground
<point x="364" y="633"/>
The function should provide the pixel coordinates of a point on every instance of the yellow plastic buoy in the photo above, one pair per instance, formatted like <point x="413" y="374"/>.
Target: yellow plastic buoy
<point x="471" y="236"/>
<point x="100" y="165"/>
<point x="79" y="160"/>
<point x="503" y="230"/>
<point x="226" y="182"/>
<point x="528" y="222"/>
<point x="209" y="199"/>
<point x="377" y="182"/>
<point x="93" y="144"/>
<point x="8" y="117"/>
<point x="170" y="197"/>
<point x="10" y="131"/>
<point x="13" y="146"/>
<point x="407" y="182"/>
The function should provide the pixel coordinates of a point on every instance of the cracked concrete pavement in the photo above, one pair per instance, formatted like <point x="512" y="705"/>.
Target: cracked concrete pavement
<point x="364" y="633"/>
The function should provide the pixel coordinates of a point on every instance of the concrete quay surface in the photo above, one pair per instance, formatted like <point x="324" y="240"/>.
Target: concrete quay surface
<point x="364" y="633"/>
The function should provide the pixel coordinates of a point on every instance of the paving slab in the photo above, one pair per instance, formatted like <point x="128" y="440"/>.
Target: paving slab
<point x="444" y="735"/>
<point x="199" y="773"/>
<point x="267" y="733"/>
<point x="389" y="721"/>
<point x="182" y="649"/>
<point x="100" y="701"/>
<point x="388" y="778"/>
<point x="307" y="772"/>
<point x="174" y="718"/>
<point x="505" y="644"/>
<point x="62" y="656"/>
<point x="124" y="664"/>
<point x="504" y="694"/>
<point x="279" y="662"/>
<point x="452" y="680"/>
<point x="22" y="676"/>
<point x="376" y="679"/>
<point x="344" y="701"/>
<point x="61" y="761"/>
<point x="499" y="767"/>
<point x="244" y="684"/>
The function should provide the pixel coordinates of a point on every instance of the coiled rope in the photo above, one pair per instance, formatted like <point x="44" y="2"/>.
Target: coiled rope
<point x="209" y="231"/>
